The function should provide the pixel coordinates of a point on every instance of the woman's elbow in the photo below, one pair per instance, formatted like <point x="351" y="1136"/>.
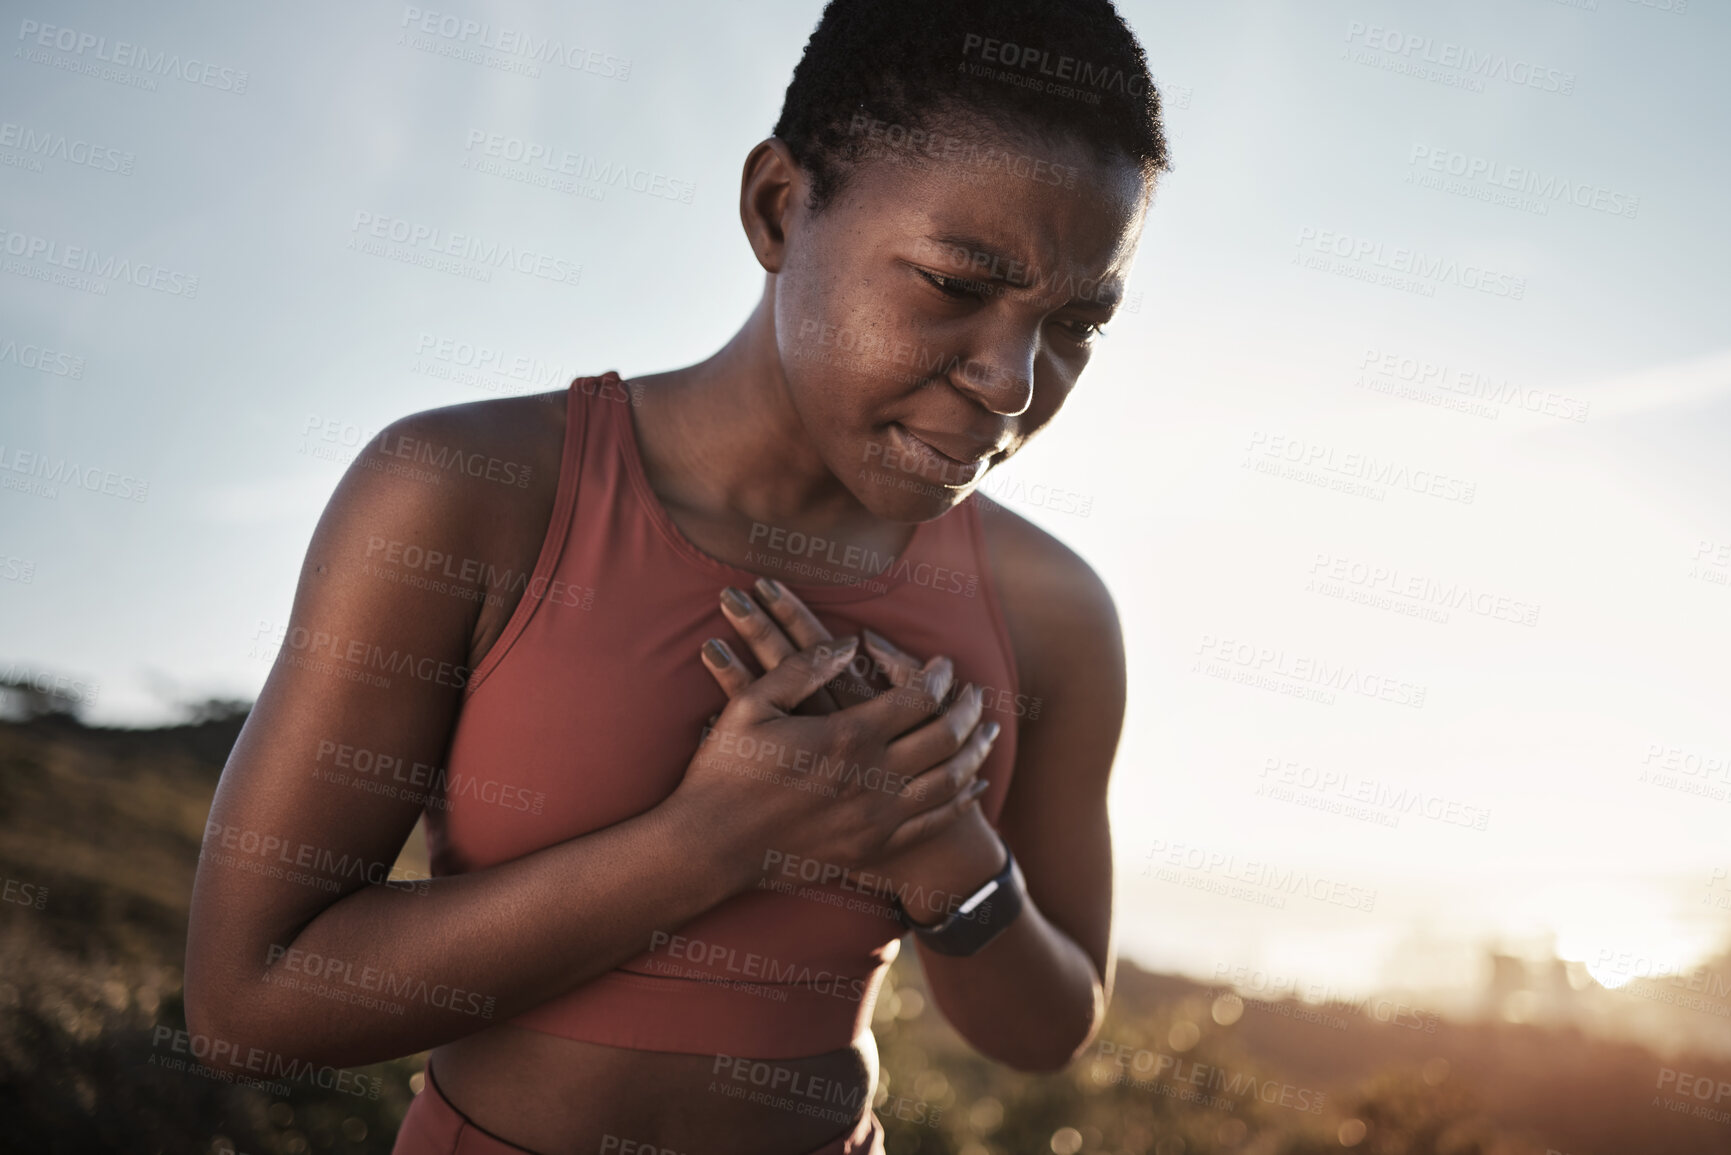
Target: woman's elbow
<point x="224" y="1029"/>
<point x="209" y="1030"/>
<point x="1056" y="1050"/>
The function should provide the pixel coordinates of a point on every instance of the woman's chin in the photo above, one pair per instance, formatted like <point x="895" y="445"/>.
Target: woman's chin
<point x="907" y="499"/>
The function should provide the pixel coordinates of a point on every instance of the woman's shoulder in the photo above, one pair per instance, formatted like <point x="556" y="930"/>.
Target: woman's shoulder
<point x="1058" y="611"/>
<point x="466" y="464"/>
<point x="520" y="429"/>
<point x="471" y="486"/>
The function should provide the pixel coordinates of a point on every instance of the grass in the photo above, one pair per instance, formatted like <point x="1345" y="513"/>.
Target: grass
<point x="99" y="839"/>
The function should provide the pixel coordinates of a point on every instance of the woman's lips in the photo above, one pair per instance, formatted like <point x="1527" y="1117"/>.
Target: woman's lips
<point x="951" y="473"/>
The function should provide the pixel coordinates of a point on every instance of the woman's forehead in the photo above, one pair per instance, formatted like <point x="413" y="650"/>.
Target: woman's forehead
<point x="968" y="148"/>
<point x="998" y="222"/>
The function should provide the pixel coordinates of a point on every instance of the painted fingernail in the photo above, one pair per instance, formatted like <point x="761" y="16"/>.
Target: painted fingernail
<point x="769" y="588"/>
<point x="716" y="652"/>
<point x="735" y="602"/>
<point x="992" y="732"/>
<point x="940" y="672"/>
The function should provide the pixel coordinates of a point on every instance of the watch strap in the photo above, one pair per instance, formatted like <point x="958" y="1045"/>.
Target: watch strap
<point x="982" y="917"/>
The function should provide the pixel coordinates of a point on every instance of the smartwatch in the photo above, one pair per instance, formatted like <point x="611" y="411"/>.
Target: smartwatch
<point x="986" y="914"/>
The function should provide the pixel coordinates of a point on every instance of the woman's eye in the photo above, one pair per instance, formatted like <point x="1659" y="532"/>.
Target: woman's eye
<point x="952" y="286"/>
<point x="1085" y="330"/>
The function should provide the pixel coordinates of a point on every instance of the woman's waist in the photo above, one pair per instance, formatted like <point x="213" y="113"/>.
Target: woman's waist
<point x="542" y="1091"/>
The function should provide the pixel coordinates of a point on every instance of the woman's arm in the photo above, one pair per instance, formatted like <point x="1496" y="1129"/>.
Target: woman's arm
<point x="290" y="939"/>
<point x="1036" y="995"/>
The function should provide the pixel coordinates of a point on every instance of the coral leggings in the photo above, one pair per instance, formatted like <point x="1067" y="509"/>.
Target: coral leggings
<point x="434" y="1127"/>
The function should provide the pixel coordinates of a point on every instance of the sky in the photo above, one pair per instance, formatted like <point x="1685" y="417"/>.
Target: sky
<point x="1405" y="462"/>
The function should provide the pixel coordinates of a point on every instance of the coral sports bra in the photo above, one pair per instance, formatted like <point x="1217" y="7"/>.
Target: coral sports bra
<point x="589" y="706"/>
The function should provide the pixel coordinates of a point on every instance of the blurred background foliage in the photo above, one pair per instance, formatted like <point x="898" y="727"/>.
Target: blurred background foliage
<point x="105" y="824"/>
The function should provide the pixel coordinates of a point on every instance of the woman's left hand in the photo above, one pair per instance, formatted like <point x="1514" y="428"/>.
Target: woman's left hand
<point x="775" y="624"/>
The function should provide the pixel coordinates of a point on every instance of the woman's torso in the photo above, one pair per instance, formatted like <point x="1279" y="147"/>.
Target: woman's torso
<point x="600" y="657"/>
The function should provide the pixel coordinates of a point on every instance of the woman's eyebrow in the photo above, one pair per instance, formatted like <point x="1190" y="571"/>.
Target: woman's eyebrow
<point x="980" y="260"/>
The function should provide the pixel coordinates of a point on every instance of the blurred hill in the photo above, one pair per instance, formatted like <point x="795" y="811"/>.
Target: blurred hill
<point x="99" y="838"/>
<point x="103" y="827"/>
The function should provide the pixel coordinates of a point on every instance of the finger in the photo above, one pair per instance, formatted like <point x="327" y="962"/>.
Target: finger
<point x="896" y="664"/>
<point x="799" y="676"/>
<point x="759" y="630"/>
<point x="943" y="736"/>
<point x="727" y="670"/>
<point x="951" y="776"/>
<point x="821" y="702"/>
<point x="800" y="624"/>
<point x="790" y="613"/>
<point x="901" y="708"/>
<point x="768" y="643"/>
<point x="935" y="821"/>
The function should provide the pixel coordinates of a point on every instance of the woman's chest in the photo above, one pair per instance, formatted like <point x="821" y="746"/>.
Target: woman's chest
<point x="596" y="707"/>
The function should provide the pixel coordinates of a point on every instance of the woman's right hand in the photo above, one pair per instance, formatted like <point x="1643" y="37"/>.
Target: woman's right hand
<point x="844" y="788"/>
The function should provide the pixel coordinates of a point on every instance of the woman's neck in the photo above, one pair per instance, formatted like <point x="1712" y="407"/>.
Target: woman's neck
<point x="722" y="440"/>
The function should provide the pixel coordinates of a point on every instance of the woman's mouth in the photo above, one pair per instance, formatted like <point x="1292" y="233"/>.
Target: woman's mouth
<point x="934" y="464"/>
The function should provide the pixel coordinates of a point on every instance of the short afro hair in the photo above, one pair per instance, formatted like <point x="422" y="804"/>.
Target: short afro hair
<point x="1053" y="69"/>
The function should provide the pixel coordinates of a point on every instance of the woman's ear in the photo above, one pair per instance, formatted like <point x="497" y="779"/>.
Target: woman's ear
<point x="768" y="195"/>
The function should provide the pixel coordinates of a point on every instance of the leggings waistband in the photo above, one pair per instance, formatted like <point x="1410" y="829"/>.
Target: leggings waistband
<point x="433" y="1126"/>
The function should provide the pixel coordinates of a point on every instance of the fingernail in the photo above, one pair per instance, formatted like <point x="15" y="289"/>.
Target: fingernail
<point x="874" y="640"/>
<point x="716" y="652"/>
<point x="979" y="788"/>
<point x="845" y="645"/>
<point x="940" y="672"/>
<point x="736" y="601"/>
<point x="769" y="588"/>
<point x="992" y="732"/>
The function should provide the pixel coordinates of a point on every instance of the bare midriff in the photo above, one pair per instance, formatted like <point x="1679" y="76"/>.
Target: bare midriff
<point x="556" y="1096"/>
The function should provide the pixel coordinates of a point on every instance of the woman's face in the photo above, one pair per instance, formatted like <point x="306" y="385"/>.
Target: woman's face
<point x="953" y="302"/>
